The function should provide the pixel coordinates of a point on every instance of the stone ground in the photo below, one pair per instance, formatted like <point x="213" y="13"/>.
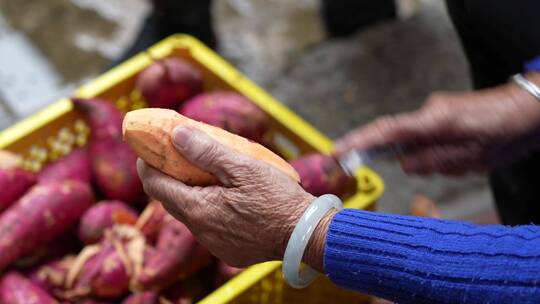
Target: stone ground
<point x="48" y="47"/>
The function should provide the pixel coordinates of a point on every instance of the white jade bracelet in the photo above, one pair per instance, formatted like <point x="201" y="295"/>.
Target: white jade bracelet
<point x="300" y="237"/>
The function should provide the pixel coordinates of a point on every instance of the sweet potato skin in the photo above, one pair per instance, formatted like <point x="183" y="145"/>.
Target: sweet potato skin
<point x="14" y="183"/>
<point x="104" y="215"/>
<point x="230" y="111"/>
<point x="186" y="291"/>
<point x="104" y="118"/>
<point x="75" y="166"/>
<point x="151" y="220"/>
<point x="167" y="83"/>
<point x="106" y="275"/>
<point x="46" y="212"/>
<point x="113" y="162"/>
<point x="321" y="174"/>
<point x="115" y="171"/>
<point x="51" y="276"/>
<point x="16" y="289"/>
<point x="105" y="270"/>
<point x="61" y="246"/>
<point x="177" y="255"/>
<point x="148" y="132"/>
<point x="146" y="297"/>
<point x="225" y="272"/>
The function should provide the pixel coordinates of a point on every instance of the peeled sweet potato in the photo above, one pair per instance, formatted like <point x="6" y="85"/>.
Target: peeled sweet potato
<point x="230" y="111"/>
<point x="75" y="166"/>
<point x="321" y="174"/>
<point x="16" y="289"/>
<point x="146" y="297"/>
<point x="14" y="183"/>
<point x="51" y="277"/>
<point x="104" y="215"/>
<point x="148" y="132"/>
<point x="151" y="220"/>
<point x="104" y="270"/>
<point x="177" y="255"/>
<point x="167" y="83"/>
<point x="113" y="162"/>
<point x="43" y="214"/>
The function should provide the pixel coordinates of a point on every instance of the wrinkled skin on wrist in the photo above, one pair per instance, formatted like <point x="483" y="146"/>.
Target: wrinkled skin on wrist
<point x="246" y="221"/>
<point x="454" y="133"/>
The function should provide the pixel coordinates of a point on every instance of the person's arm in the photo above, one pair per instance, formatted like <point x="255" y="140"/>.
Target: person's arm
<point x="457" y="132"/>
<point x="408" y="259"/>
<point x="420" y="260"/>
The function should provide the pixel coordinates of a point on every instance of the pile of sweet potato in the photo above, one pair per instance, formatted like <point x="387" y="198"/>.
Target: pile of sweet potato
<point x="83" y="231"/>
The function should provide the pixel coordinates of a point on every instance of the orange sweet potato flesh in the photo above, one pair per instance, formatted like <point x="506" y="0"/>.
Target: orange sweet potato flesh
<point x="148" y="132"/>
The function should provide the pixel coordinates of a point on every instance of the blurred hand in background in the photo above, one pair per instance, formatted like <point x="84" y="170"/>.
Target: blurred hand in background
<point x="454" y="133"/>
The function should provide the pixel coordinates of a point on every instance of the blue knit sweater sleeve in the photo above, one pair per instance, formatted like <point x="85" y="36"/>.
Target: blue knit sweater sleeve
<point x="419" y="260"/>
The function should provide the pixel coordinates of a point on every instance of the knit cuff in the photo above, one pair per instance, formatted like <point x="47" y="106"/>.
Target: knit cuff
<point x="421" y="260"/>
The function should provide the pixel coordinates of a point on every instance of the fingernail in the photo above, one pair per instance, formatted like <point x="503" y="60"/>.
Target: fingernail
<point x="181" y="137"/>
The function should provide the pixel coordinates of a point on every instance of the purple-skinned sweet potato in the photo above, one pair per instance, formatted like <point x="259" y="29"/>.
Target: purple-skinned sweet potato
<point x="151" y="220"/>
<point x="14" y="183"/>
<point x="16" y="289"/>
<point x="113" y="162"/>
<point x="75" y="166"/>
<point x="145" y="297"/>
<point x="105" y="275"/>
<point x="230" y="111"/>
<point x="67" y="243"/>
<point x="104" y="215"/>
<point x="321" y="174"/>
<point x="115" y="171"/>
<point x="178" y="255"/>
<point x="167" y="83"/>
<point x="104" y="118"/>
<point x="225" y="272"/>
<point x="106" y="270"/>
<point x="51" y="276"/>
<point x="187" y="291"/>
<point x="44" y="213"/>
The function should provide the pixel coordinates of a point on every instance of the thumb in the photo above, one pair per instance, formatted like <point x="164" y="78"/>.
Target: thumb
<point x="204" y="152"/>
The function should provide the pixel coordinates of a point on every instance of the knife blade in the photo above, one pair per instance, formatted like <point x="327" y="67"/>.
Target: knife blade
<point x="355" y="159"/>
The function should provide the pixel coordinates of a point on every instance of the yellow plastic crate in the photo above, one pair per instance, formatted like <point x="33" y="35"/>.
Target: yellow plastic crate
<point x="54" y="131"/>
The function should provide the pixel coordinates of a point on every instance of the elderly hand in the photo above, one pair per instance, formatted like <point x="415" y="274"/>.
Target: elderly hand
<point x="458" y="132"/>
<point x="247" y="220"/>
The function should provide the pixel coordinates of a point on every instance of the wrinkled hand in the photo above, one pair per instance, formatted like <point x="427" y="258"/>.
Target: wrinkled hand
<point x="454" y="133"/>
<point x="246" y="221"/>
